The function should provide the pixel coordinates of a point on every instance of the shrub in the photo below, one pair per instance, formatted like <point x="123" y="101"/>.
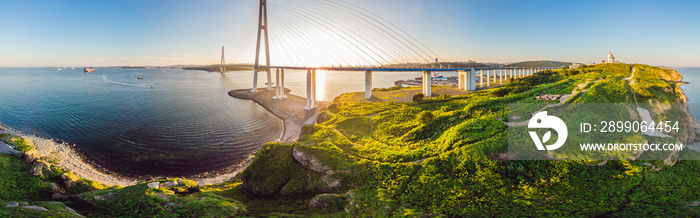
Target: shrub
<point x="418" y="97"/>
<point x="425" y="116"/>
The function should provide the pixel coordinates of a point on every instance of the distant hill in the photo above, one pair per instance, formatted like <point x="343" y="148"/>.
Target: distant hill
<point x="540" y="64"/>
<point x="215" y="68"/>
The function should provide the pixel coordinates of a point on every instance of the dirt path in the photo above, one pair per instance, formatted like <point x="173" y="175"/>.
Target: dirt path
<point x="562" y="100"/>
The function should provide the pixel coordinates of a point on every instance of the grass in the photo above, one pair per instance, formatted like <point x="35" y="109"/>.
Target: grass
<point x="435" y="157"/>
<point x="404" y="164"/>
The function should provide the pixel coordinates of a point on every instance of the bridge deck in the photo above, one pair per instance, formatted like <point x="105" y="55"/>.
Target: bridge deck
<point x="391" y="69"/>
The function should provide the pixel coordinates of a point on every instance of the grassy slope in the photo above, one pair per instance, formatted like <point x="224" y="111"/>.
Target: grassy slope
<point x="457" y="176"/>
<point x="400" y="164"/>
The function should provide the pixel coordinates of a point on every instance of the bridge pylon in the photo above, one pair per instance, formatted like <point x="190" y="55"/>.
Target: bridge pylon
<point x="262" y="25"/>
<point x="223" y="62"/>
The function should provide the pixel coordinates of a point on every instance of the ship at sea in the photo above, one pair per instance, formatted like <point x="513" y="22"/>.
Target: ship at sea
<point x="89" y="70"/>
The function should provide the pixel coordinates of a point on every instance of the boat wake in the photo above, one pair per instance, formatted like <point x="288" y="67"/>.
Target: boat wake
<point x="104" y="78"/>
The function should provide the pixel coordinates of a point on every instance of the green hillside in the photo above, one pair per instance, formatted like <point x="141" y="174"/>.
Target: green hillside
<point x="439" y="156"/>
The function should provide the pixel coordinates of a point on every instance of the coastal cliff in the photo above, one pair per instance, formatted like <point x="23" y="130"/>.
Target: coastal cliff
<point x="388" y="159"/>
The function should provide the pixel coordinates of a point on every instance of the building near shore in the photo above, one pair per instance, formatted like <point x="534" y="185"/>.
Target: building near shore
<point x="611" y="58"/>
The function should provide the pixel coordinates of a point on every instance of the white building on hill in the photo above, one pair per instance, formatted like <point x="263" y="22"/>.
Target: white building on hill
<point x="611" y="58"/>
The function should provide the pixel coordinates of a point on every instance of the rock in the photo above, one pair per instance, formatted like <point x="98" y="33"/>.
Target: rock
<point x="30" y="156"/>
<point x="694" y="204"/>
<point x="309" y="161"/>
<point x="12" y="204"/>
<point x="169" y="184"/>
<point x="153" y="184"/>
<point x="351" y="201"/>
<point x="53" y="187"/>
<point x="59" y="196"/>
<point x="331" y="184"/>
<point x="39" y="168"/>
<point x="170" y="204"/>
<point x="325" y="200"/>
<point x="70" y="181"/>
<point x="23" y="203"/>
<point x="35" y="208"/>
<point x="99" y="198"/>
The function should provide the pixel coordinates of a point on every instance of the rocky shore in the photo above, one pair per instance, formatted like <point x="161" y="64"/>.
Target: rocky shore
<point x="66" y="158"/>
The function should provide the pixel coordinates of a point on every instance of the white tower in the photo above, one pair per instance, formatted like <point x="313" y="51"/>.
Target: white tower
<point x="611" y="58"/>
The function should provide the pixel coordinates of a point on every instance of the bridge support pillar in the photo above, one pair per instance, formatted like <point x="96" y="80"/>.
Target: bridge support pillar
<point x="310" y="90"/>
<point x="269" y="79"/>
<point x="471" y="80"/>
<point x="313" y="88"/>
<point x="481" y="78"/>
<point x="368" y="84"/>
<point x="511" y="74"/>
<point x="500" y="78"/>
<point x="277" y="84"/>
<point x="488" y="77"/>
<point x="467" y="79"/>
<point x="255" y="80"/>
<point x="462" y="79"/>
<point x="427" y="83"/>
<point x="281" y="82"/>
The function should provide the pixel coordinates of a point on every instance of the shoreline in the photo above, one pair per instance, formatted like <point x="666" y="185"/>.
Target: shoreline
<point x="292" y="114"/>
<point x="69" y="159"/>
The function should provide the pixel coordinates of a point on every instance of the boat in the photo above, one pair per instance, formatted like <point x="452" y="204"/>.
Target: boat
<point x="60" y="69"/>
<point x="139" y="77"/>
<point x="89" y="70"/>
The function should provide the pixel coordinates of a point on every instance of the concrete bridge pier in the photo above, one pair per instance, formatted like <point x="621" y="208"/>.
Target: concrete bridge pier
<point x="481" y="78"/>
<point x="255" y="80"/>
<point x="277" y="84"/>
<point x="488" y="77"/>
<point x="427" y="82"/>
<point x="368" y="84"/>
<point x="310" y="89"/>
<point x="500" y="78"/>
<point x="269" y="79"/>
<point x="467" y="79"/>
<point x="511" y="74"/>
<point x="462" y="79"/>
<point x="495" y="76"/>
<point x="282" y="95"/>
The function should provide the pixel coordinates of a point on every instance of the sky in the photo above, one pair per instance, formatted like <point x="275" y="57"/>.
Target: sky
<point x="167" y="32"/>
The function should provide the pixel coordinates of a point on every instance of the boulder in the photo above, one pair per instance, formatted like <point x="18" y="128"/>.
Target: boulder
<point x="12" y="204"/>
<point x="70" y="180"/>
<point x="331" y="183"/>
<point x="325" y="200"/>
<point x="53" y="188"/>
<point x="309" y="161"/>
<point x="169" y="184"/>
<point x="30" y="156"/>
<point x="35" y="208"/>
<point x="40" y="168"/>
<point x="59" y="196"/>
<point x="153" y="184"/>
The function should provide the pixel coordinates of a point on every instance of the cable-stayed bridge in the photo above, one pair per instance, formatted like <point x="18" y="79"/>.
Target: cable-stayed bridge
<point x="336" y="35"/>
